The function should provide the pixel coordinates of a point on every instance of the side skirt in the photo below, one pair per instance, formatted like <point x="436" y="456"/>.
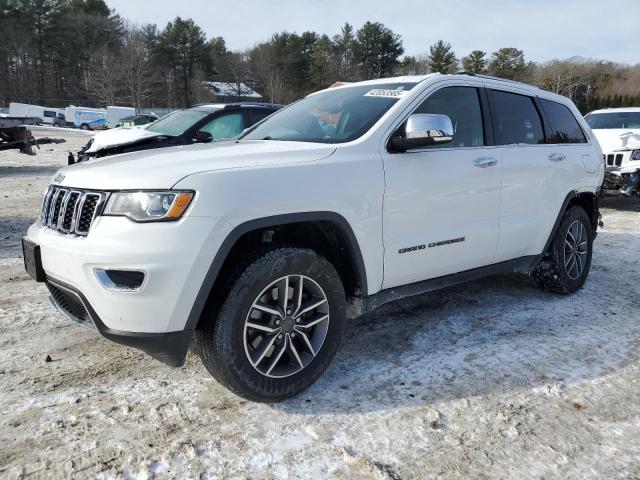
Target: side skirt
<point x="372" y="302"/>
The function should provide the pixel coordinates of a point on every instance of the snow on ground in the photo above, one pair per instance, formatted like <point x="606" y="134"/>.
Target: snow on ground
<point x="489" y="379"/>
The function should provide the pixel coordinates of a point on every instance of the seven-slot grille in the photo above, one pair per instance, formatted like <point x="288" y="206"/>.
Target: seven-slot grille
<point x="70" y="210"/>
<point x="613" y="159"/>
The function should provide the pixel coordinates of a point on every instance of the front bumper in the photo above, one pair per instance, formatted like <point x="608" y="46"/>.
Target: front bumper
<point x="174" y="256"/>
<point x="169" y="348"/>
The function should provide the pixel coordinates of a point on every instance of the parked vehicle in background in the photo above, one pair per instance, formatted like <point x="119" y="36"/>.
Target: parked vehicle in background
<point x="46" y="115"/>
<point x="137" y="120"/>
<point x="352" y="197"/>
<point x="85" y="118"/>
<point x="618" y="132"/>
<point x="115" y="114"/>
<point x="200" y="124"/>
<point x="59" y="121"/>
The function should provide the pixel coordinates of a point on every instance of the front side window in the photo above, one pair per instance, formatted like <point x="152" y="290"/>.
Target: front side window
<point x="564" y="126"/>
<point x="225" y="127"/>
<point x="331" y="116"/>
<point x="516" y="119"/>
<point x="49" y="114"/>
<point x="177" y="123"/>
<point x="462" y="106"/>
<point x="613" y="120"/>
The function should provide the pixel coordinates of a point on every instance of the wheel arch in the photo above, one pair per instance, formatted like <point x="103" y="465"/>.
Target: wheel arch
<point x="322" y="230"/>
<point x="587" y="200"/>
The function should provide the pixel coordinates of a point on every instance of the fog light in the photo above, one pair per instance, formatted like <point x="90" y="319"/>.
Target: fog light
<point x="121" y="280"/>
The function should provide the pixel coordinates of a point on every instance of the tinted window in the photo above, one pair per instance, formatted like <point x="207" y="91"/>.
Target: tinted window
<point x="255" y="116"/>
<point x="613" y="120"/>
<point x="226" y="126"/>
<point x="564" y="126"/>
<point x="462" y="106"/>
<point x="50" y="114"/>
<point x="515" y="118"/>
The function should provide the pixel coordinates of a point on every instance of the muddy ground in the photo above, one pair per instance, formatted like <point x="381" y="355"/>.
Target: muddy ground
<point x="490" y="379"/>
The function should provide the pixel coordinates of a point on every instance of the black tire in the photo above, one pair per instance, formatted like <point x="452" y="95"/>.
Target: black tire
<point x="220" y="342"/>
<point x="552" y="273"/>
<point x="84" y="126"/>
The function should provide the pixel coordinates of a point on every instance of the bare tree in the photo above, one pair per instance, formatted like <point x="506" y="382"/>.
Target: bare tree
<point x="137" y="72"/>
<point x="104" y="76"/>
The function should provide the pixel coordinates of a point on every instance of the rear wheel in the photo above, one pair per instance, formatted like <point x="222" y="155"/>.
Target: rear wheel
<point x="567" y="264"/>
<point x="278" y="328"/>
<point x="84" y="126"/>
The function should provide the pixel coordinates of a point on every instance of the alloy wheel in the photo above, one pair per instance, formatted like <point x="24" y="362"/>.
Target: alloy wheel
<point x="286" y="326"/>
<point x="575" y="249"/>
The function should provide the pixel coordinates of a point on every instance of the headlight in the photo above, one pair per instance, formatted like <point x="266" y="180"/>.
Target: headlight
<point x="635" y="155"/>
<point x="148" y="206"/>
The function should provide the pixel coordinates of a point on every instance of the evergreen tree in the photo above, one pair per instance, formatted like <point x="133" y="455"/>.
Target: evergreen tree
<point x="441" y="58"/>
<point x="377" y="50"/>
<point x="475" y="62"/>
<point x="507" y="63"/>
<point x="184" y="47"/>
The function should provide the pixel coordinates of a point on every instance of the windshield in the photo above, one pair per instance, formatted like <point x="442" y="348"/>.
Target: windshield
<point x="332" y="116"/>
<point x="177" y="123"/>
<point x="613" y="120"/>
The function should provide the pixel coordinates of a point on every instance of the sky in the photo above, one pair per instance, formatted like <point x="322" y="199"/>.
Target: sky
<point x="544" y="29"/>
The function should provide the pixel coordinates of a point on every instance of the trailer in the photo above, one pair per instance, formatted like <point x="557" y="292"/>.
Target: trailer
<point x="47" y="115"/>
<point x="85" y="118"/>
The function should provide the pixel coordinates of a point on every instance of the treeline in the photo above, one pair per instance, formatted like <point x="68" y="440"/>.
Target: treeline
<point x="61" y="52"/>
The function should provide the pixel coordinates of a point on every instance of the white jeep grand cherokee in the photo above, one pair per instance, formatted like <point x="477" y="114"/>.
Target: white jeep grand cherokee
<point x="352" y="197"/>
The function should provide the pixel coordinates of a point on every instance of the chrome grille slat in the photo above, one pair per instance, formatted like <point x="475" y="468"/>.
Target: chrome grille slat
<point x="70" y="210"/>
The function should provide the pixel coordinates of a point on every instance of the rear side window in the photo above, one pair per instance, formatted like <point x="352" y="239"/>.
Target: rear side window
<point x="255" y="116"/>
<point x="564" y="126"/>
<point x="462" y="106"/>
<point x="516" y="119"/>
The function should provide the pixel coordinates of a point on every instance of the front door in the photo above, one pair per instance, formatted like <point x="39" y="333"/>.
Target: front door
<point x="441" y="204"/>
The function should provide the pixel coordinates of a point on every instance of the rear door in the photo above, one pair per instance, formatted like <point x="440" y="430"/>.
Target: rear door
<point x="535" y="174"/>
<point x="441" y="203"/>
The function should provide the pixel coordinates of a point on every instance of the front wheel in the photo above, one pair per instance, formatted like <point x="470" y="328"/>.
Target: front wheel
<point x="278" y="328"/>
<point x="567" y="264"/>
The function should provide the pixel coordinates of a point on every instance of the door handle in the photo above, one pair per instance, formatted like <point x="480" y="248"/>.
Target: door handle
<point x="485" y="162"/>
<point x="557" y="157"/>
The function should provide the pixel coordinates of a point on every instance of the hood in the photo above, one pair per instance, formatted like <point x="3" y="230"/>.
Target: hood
<point x="164" y="167"/>
<point x="119" y="136"/>
<point x="614" y="139"/>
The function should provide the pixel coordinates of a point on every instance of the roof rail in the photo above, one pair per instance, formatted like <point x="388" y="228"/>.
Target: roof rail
<point x="489" y="77"/>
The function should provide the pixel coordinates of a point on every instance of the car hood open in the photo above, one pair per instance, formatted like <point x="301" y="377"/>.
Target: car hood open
<point x="614" y="139"/>
<point x="118" y="137"/>
<point x="164" y="167"/>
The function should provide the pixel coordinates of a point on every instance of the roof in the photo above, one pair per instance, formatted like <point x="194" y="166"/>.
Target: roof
<point x="617" y="110"/>
<point x="213" y="107"/>
<point x="232" y="89"/>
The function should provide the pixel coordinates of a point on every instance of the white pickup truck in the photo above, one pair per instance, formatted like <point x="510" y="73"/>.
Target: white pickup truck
<point x="259" y="249"/>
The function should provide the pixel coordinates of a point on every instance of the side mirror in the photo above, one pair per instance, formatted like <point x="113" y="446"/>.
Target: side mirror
<point x="203" y="137"/>
<point x="422" y="130"/>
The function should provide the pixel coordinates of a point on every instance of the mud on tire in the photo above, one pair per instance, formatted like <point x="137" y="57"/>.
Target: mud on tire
<point x="252" y="346"/>
<point x="557" y="272"/>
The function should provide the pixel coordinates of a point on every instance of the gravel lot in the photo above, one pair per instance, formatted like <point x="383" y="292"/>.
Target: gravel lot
<point x="490" y="379"/>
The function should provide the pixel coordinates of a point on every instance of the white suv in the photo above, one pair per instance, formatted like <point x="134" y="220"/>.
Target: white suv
<point x="258" y="249"/>
<point x="618" y="132"/>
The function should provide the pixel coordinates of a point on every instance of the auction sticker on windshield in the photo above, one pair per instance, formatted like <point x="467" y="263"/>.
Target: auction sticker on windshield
<point x="381" y="92"/>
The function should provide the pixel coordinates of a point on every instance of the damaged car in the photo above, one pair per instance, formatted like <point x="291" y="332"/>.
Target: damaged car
<point x="618" y="132"/>
<point x="199" y="124"/>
